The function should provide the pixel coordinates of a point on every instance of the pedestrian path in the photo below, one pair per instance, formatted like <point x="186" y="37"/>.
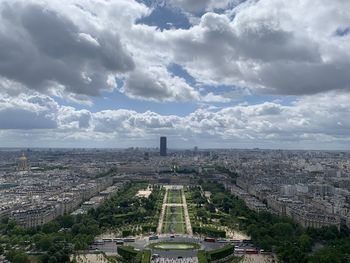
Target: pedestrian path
<point x="187" y="216"/>
<point x="162" y="214"/>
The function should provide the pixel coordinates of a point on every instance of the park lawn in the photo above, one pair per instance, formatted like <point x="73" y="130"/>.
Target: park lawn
<point x="179" y="214"/>
<point x="179" y="226"/>
<point x="174" y="197"/>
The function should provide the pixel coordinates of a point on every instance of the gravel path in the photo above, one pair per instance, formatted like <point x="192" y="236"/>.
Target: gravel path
<point x="162" y="214"/>
<point x="187" y="216"/>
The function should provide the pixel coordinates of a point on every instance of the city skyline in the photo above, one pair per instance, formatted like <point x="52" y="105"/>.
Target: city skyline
<point x="104" y="201"/>
<point x="269" y="74"/>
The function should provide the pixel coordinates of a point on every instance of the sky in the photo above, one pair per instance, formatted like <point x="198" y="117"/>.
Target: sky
<point x="207" y="73"/>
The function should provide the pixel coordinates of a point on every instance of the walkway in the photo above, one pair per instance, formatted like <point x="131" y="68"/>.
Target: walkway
<point x="187" y="216"/>
<point x="162" y="214"/>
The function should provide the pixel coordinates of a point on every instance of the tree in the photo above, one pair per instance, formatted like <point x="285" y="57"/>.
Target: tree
<point x="327" y="255"/>
<point x="17" y="256"/>
<point x="305" y="242"/>
<point x="51" y="227"/>
<point x="44" y="243"/>
<point x="283" y="230"/>
<point x="52" y="259"/>
<point x="66" y="221"/>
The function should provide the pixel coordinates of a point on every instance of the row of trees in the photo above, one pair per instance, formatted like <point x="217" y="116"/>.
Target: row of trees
<point x="131" y="255"/>
<point x="217" y="254"/>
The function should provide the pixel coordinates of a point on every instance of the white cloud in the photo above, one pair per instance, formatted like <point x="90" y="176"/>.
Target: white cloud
<point x="70" y="118"/>
<point x="311" y="122"/>
<point x="307" y="122"/>
<point x="270" y="46"/>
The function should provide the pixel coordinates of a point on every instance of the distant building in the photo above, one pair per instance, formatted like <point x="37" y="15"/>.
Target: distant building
<point x="34" y="216"/>
<point x="163" y="146"/>
<point x="23" y="163"/>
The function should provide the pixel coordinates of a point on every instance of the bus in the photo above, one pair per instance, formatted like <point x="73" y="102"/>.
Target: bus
<point x="119" y="241"/>
<point x="129" y="239"/>
<point x="210" y="239"/>
<point x="251" y="251"/>
<point x="99" y="242"/>
<point x="223" y="241"/>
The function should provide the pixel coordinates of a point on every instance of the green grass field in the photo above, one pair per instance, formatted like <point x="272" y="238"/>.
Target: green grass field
<point x="174" y="197"/>
<point x="174" y="220"/>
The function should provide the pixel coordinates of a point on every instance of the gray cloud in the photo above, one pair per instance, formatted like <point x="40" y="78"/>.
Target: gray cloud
<point x="303" y="78"/>
<point x="198" y="6"/>
<point x="142" y="85"/>
<point x="42" y="48"/>
<point x="191" y="5"/>
<point x="25" y="120"/>
<point x="28" y="112"/>
<point x="158" y="84"/>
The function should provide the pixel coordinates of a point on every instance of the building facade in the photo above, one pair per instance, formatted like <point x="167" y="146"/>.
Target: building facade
<point x="163" y="146"/>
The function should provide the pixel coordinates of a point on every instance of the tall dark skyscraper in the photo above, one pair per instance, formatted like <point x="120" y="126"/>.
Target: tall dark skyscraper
<point x="162" y="146"/>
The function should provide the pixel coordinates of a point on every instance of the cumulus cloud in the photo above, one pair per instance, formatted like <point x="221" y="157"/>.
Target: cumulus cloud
<point x="42" y="48"/>
<point x="270" y="46"/>
<point x="76" y="50"/>
<point x="70" y="118"/>
<point x="157" y="84"/>
<point x="306" y="122"/>
<point x="28" y="112"/>
<point x="311" y="119"/>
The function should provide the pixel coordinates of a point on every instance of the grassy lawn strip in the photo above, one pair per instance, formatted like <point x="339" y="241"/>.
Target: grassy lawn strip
<point x="174" y="197"/>
<point x="180" y="222"/>
<point x="174" y="246"/>
<point x="179" y="227"/>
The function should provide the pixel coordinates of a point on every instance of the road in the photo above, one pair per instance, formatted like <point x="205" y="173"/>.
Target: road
<point x="143" y="242"/>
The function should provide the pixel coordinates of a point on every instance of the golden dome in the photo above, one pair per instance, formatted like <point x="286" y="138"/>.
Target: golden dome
<point x="23" y="157"/>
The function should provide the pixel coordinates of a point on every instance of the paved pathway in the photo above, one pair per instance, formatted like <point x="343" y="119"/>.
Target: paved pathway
<point x="162" y="214"/>
<point x="187" y="216"/>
